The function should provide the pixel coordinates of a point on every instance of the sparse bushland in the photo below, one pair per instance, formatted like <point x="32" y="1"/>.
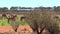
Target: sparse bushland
<point x="15" y="23"/>
<point x="39" y="21"/>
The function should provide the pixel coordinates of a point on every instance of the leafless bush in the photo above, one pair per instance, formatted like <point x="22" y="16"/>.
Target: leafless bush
<point x="38" y="21"/>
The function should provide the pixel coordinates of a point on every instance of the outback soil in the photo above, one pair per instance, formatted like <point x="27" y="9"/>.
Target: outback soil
<point x="21" y="30"/>
<point x="24" y="29"/>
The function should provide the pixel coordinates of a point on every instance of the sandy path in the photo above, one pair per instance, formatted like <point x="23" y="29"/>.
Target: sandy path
<point x="20" y="29"/>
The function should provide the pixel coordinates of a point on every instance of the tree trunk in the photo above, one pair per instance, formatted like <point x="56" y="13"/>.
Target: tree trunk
<point x="51" y="31"/>
<point x="42" y="30"/>
<point x="38" y="32"/>
<point x="15" y="28"/>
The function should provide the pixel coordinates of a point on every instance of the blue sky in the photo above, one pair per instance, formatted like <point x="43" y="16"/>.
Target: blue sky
<point x="29" y="3"/>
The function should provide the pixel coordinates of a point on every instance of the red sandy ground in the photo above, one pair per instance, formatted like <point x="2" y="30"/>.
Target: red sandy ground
<point x="20" y="29"/>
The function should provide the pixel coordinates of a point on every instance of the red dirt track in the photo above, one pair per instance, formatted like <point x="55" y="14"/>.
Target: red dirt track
<point x="20" y="29"/>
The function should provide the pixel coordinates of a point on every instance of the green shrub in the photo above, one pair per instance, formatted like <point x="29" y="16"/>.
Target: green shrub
<point x="4" y="22"/>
